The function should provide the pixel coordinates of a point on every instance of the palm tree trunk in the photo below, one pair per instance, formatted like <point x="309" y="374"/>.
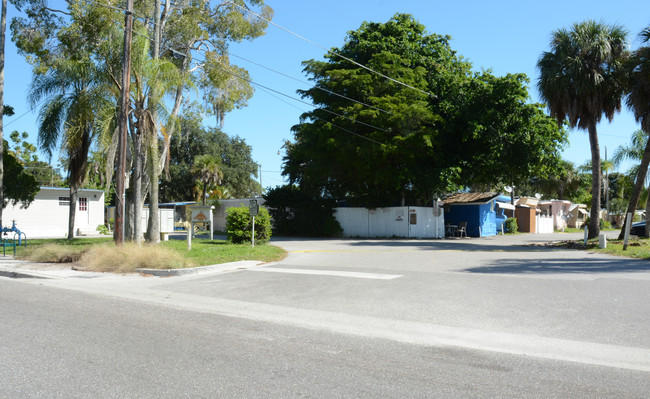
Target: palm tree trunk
<point x="72" y="210"/>
<point x="638" y="186"/>
<point x="594" y="222"/>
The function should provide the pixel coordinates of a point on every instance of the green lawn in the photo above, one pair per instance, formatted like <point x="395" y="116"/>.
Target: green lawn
<point x="102" y="255"/>
<point x="636" y="248"/>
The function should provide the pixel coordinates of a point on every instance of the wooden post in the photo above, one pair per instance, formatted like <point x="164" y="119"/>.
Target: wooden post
<point x="120" y="176"/>
<point x="626" y="236"/>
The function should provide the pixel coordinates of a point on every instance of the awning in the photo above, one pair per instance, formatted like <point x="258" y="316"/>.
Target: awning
<point x="504" y="205"/>
<point x="583" y="212"/>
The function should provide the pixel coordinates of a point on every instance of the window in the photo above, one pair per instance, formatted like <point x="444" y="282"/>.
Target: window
<point x="83" y="204"/>
<point x="64" y="201"/>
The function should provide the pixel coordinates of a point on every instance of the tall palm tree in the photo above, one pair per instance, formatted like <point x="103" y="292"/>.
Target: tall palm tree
<point x="580" y="80"/>
<point x="207" y="170"/>
<point x="68" y="115"/>
<point x="638" y="100"/>
<point x="639" y="151"/>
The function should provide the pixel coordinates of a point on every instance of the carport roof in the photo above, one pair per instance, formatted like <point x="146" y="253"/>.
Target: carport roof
<point x="467" y="198"/>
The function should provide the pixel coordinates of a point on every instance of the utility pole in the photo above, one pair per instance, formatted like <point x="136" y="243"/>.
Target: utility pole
<point x="118" y="235"/>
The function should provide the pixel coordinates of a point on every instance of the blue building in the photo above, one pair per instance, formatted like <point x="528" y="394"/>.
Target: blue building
<point x="479" y="210"/>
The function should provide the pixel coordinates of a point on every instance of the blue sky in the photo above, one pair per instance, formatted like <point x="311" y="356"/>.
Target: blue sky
<point x="504" y="36"/>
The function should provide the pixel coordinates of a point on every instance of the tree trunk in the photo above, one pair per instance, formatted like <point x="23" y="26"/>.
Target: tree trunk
<point x="638" y="186"/>
<point x="3" y="27"/>
<point x="72" y="210"/>
<point x="594" y="222"/>
<point x="153" y="224"/>
<point x="647" y="218"/>
<point x="136" y="188"/>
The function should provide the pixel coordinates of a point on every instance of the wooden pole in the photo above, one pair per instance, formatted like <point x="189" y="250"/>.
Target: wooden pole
<point x="118" y="236"/>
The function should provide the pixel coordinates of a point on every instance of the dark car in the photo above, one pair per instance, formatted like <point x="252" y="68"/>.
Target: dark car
<point x="638" y="228"/>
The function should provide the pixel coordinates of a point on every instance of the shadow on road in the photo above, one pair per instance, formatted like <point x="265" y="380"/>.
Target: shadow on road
<point x="563" y="265"/>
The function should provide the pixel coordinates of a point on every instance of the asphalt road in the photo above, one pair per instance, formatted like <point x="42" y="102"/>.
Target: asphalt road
<point x="341" y="318"/>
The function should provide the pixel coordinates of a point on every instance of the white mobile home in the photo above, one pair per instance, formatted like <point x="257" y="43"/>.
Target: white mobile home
<point x="47" y="216"/>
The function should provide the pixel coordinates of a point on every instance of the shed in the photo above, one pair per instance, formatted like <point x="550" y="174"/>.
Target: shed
<point x="48" y="215"/>
<point x="526" y="213"/>
<point x="477" y="209"/>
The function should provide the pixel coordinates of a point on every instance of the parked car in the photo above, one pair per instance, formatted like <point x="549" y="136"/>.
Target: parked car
<point x="638" y="228"/>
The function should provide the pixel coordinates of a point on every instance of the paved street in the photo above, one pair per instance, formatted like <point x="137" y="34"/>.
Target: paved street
<point x="341" y="318"/>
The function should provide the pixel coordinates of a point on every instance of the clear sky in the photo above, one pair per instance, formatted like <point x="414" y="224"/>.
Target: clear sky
<point x="504" y="36"/>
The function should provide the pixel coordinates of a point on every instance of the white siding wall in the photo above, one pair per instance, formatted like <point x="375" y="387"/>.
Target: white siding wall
<point x="392" y="222"/>
<point x="46" y="218"/>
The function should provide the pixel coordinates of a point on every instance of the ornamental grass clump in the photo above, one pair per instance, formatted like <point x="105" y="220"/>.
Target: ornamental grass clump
<point x="129" y="257"/>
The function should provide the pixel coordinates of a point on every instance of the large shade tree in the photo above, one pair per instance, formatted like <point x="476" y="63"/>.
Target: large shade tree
<point x="581" y="80"/>
<point x="441" y="128"/>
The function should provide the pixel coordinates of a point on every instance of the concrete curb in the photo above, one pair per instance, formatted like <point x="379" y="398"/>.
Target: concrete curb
<point x="223" y="267"/>
<point x="24" y="274"/>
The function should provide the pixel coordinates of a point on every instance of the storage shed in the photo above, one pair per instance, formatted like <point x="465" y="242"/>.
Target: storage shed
<point x="477" y="209"/>
<point x="48" y="215"/>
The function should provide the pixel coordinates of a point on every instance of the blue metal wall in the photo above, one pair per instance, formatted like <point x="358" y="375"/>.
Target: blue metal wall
<point x="476" y="215"/>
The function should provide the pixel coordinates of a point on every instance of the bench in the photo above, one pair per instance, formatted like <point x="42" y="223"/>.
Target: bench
<point x="8" y="243"/>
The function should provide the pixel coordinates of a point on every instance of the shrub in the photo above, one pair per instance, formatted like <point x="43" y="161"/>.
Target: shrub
<point x="103" y="229"/>
<point x="605" y="225"/>
<point x="511" y="225"/>
<point x="239" y="225"/>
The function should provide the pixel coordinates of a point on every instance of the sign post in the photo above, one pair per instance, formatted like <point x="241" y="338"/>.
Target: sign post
<point x="253" y="210"/>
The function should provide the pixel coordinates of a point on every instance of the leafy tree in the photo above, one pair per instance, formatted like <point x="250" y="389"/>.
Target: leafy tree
<point x="448" y="129"/>
<point x="233" y="152"/>
<point x="382" y="152"/>
<point x="580" y="80"/>
<point x="504" y="139"/>
<point x="19" y="186"/>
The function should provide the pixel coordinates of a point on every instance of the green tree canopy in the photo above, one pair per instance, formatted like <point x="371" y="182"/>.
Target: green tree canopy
<point x="234" y="154"/>
<point x="443" y="128"/>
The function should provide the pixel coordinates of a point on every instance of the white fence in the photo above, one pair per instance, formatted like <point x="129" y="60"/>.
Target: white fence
<point x="544" y="224"/>
<point x="412" y="222"/>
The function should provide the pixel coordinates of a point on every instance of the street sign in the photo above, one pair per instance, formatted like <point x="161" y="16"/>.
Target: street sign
<point x="253" y="207"/>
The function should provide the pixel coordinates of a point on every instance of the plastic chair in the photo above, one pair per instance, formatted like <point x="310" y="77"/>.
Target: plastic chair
<point x="461" y="230"/>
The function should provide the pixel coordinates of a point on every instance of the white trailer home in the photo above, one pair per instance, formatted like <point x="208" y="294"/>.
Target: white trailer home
<point x="47" y="216"/>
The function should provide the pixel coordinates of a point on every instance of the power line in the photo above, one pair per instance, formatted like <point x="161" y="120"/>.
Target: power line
<point x="267" y="89"/>
<point x="323" y="120"/>
<point x="147" y="20"/>
<point x="328" y="50"/>
<point x="307" y="83"/>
